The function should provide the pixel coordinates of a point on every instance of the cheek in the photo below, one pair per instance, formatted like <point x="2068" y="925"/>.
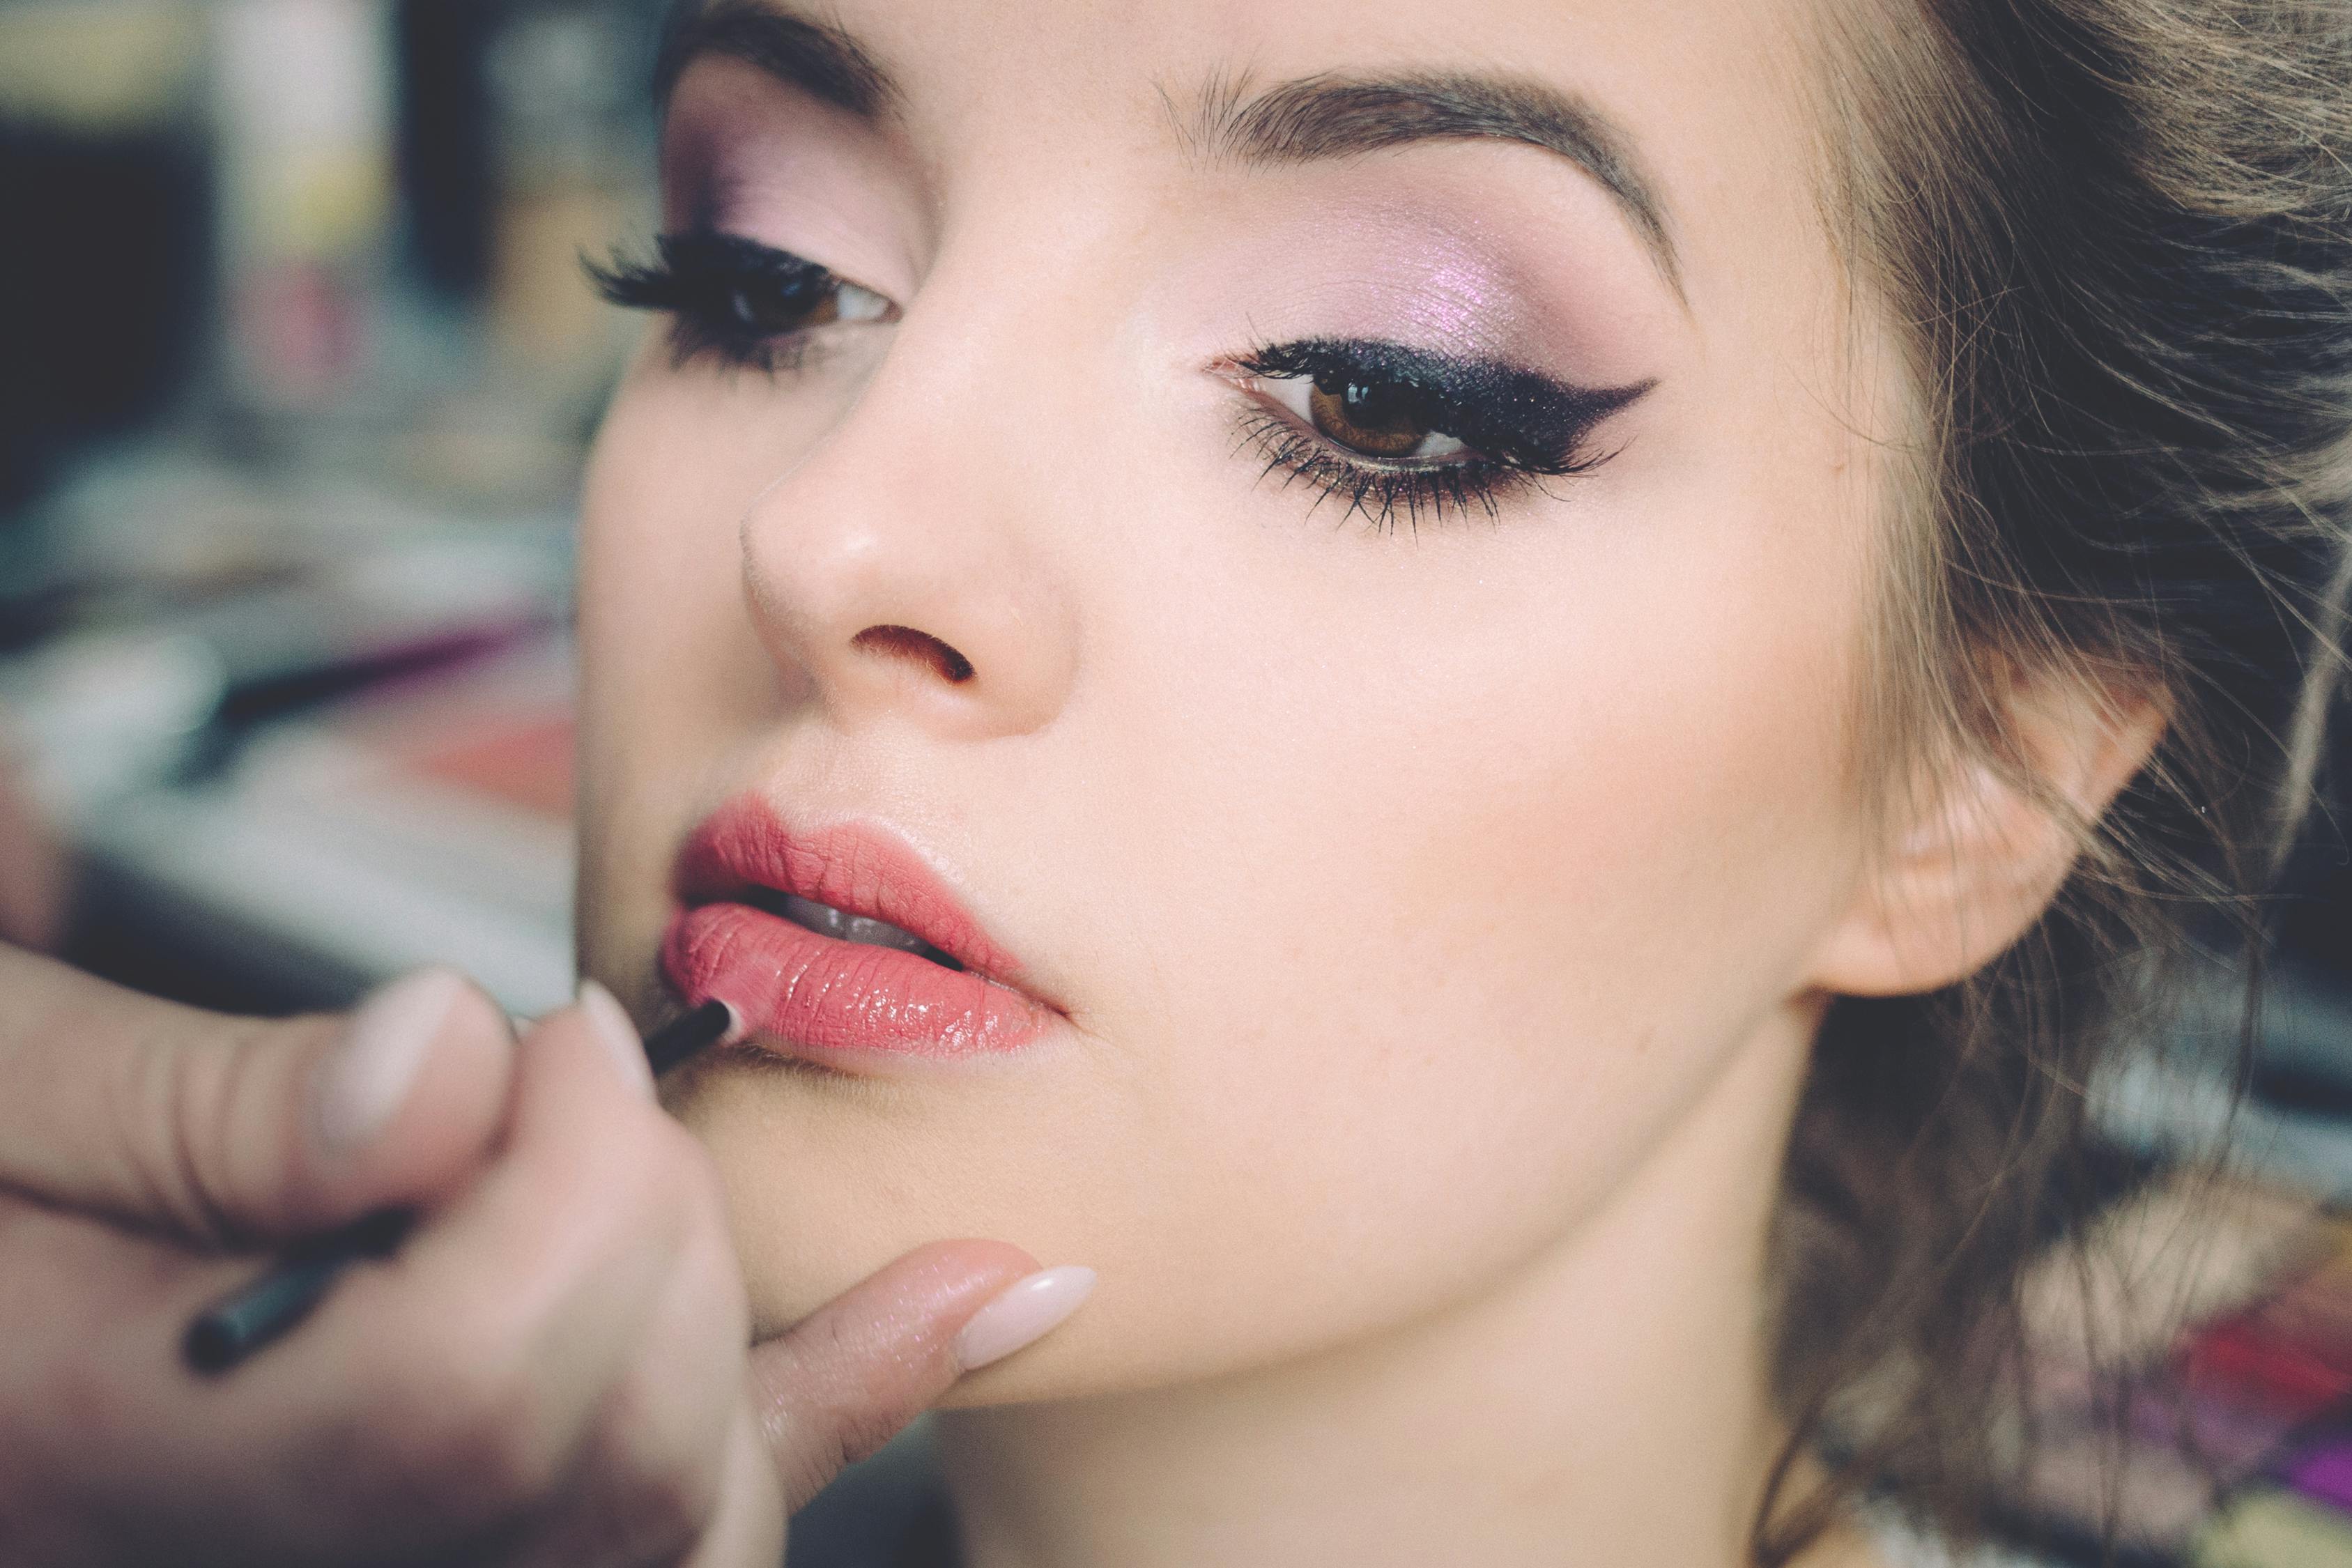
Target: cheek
<point x="1445" y="926"/>
<point x="1406" y="891"/>
<point x="1397" y="939"/>
<point x="673" y="680"/>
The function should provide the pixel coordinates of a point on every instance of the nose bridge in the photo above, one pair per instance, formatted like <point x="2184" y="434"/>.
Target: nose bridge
<point x="901" y="566"/>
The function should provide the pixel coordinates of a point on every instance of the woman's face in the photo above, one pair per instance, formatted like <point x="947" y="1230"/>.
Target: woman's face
<point x="1321" y="554"/>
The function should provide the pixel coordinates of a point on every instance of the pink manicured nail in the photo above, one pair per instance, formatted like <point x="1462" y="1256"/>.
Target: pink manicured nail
<point x="1025" y="1313"/>
<point x="364" y="1082"/>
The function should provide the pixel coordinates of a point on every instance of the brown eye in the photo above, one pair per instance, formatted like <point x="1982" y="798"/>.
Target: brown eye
<point x="1380" y="419"/>
<point x="769" y="306"/>
<point x="773" y="303"/>
<point x="737" y="299"/>
<point x="1365" y="415"/>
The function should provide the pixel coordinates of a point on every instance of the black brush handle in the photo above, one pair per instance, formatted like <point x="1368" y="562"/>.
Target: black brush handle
<point x="234" y="1328"/>
<point x="696" y="1030"/>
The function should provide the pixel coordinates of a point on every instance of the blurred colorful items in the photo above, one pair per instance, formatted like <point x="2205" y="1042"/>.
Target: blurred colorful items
<point x="2289" y="1354"/>
<point x="330" y="745"/>
<point x="2228" y="1445"/>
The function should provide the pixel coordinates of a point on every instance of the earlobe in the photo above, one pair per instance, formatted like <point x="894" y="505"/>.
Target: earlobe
<point x="1990" y="842"/>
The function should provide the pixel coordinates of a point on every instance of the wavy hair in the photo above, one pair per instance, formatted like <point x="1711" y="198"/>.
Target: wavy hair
<point x="2113" y="240"/>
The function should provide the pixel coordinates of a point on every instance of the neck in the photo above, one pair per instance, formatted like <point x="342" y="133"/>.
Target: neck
<point x="1605" y="1405"/>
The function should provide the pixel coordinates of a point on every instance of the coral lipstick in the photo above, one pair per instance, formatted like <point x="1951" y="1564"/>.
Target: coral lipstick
<point x="839" y="943"/>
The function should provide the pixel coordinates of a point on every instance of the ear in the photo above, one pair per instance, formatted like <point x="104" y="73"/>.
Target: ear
<point x="1988" y="845"/>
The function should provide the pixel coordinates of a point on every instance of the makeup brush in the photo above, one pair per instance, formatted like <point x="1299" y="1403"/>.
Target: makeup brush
<point x="697" y="1029"/>
<point x="233" y="1328"/>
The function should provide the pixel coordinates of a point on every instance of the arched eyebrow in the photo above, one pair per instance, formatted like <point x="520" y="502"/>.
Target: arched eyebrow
<point x="1332" y="116"/>
<point x="819" y="58"/>
<point x="1299" y="121"/>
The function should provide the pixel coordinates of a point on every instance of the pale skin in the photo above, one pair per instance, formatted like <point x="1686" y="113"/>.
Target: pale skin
<point x="1441" y="916"/>
<point x="554" y="1368"/>
<point x="1443" y="913"/>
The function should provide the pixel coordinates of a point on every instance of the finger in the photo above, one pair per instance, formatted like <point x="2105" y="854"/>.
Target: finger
<point x="749" y="1526"/>
<point x="663" y="1447"/>
<point x="216" y="1129"/>
<point x="436" y="1403"/>
<point x="843" y="1382"/>
<point x="423" y="1405"/>
<point x="655" y="1471"/>
<point x="459" y="1384"/>
<point x="32" y="870"/>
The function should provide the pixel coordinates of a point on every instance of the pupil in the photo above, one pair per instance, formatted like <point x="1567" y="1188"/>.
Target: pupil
<point x="1377" y="406"/>
<point x="1373" y="407"/>
<point x="1380" y="418"/>
<point x="774" y="307"/>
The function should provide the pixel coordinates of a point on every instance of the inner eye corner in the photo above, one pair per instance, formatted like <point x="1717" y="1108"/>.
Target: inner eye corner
<point x="1234" y="368"/>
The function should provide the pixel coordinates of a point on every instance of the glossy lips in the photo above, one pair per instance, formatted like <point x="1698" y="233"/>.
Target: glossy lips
<point x="818" y="995"/>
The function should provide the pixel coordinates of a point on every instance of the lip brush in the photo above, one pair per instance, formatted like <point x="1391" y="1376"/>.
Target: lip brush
<point x="242" y="1322"/>
<point x="696" y="1030"/>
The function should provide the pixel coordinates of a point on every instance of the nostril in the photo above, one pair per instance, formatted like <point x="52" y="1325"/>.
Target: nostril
<point x="906" y="642"/>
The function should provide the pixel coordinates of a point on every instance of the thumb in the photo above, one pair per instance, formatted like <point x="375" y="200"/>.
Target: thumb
<point x="216" y="1129"/>
<point x="842" y="1380"/>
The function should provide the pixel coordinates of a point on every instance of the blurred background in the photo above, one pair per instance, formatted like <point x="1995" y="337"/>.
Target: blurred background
<point x="297" y="367"/>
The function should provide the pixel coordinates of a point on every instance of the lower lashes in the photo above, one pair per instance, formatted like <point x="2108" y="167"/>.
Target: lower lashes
<point x="1379" y="492"/>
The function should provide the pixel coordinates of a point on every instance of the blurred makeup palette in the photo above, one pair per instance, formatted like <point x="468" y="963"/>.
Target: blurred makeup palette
<point x="2228" y="1445"/>
<point x="295" y="780"/>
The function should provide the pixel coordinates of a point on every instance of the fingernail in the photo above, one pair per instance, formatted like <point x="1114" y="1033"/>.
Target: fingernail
<point x="610" y="1023"/>
<point x="367" y="1078"/>
<point x="1026" y="1312"/>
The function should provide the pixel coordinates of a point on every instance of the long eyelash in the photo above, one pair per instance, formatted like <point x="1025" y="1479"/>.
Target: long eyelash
<point x="688" y="282"/>
<point x="1514" y="416"/>
<point x="1521" y="431"/>
<point x="1381" y="493"/>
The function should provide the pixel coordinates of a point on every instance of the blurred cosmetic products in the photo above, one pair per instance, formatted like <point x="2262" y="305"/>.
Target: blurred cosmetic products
<point x="571" y="142"/>
<point x="302" y="121"/>
<point x="105" y="277"/>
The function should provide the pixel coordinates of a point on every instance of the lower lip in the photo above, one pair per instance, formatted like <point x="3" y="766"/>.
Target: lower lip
<point x="822" y="998"/>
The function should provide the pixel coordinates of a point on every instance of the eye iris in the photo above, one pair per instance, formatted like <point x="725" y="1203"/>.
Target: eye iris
<point x="772" y="305"/>
<point x="1378" y="418"/>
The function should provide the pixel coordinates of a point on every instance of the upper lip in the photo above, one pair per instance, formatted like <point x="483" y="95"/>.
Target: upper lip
<point x="856" y="867"/>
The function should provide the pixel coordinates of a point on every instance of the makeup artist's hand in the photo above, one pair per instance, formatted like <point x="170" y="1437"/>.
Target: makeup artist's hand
<point x="32" y="869"/>
<point x="551" y="1369"/>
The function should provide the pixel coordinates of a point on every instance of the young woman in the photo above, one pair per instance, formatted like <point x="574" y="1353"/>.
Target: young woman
<point x="1493" y="699"/>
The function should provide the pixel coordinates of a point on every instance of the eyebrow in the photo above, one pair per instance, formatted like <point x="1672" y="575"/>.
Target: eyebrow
<point x="819" y="58"/>
<point x="1306" y="120"/>
<point x="1330" y="116"/>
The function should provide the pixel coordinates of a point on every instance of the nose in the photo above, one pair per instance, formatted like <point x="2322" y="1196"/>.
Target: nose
<point x="892" y="573"/>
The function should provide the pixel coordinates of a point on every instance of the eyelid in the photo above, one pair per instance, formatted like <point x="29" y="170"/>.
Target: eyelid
<point x="708" y="249"/>
<point x="744" y="150"/>
<point x="1517" y="429"/>
<point x="700" y="281"/>
<point x="1520" y="417"/>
